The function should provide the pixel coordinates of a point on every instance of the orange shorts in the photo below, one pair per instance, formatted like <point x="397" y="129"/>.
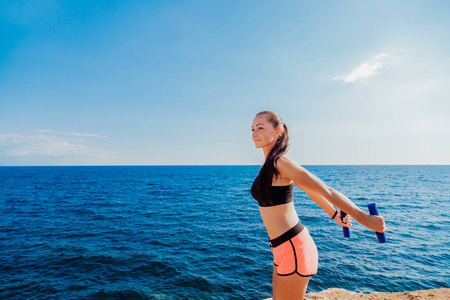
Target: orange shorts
<point x="295" y="252"/>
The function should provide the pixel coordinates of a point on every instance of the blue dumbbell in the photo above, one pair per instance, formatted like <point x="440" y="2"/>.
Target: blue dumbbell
<point x="374" y="211"/>
<point x="345" y="230"/>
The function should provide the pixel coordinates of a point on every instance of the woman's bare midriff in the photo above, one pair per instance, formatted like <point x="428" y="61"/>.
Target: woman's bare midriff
<point x="279" y="219"/>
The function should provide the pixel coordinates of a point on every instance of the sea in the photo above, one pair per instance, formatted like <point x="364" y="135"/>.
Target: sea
<point x="194" y="232"/>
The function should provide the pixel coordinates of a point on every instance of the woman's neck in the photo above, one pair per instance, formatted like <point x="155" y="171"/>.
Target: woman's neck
<point x="267" y="149"/>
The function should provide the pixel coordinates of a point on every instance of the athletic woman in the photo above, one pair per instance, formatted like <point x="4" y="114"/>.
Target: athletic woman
<point x="295" y="253"/>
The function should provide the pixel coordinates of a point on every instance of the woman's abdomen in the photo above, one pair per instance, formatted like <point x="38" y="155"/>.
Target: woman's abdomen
<point x="279" y="219"/>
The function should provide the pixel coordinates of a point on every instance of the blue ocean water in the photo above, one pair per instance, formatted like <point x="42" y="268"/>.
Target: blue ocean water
<point x="194" y="232"/>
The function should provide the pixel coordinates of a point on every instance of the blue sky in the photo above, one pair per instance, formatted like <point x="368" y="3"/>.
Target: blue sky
<point x="179" y="82"/>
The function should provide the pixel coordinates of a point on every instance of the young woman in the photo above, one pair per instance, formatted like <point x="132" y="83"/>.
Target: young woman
<point x="295" y="253"/>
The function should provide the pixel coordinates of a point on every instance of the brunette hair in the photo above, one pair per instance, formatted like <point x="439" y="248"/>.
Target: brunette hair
<point x="268" y="171"/>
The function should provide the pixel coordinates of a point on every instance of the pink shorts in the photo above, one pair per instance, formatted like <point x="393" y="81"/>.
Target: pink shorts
<point x="295" y="252"/>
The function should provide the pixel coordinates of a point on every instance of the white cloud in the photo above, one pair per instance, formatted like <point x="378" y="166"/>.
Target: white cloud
<point x="72" y="133"/>
<point x="46" y="144"/>
<point x="365" y="70"/>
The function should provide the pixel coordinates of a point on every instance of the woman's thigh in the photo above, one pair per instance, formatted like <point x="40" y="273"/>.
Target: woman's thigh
<point x="290" y="287"/>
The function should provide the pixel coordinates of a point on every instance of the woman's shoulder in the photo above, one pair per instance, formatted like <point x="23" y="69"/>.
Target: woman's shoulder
<point x="287" y="167"/>
<point x="285" y="162"/>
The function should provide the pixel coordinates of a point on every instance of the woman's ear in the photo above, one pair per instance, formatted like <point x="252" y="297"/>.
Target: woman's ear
<point x="278" y="130"/>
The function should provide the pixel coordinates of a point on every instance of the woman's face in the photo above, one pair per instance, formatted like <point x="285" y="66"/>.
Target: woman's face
<point x="263" y="132"/>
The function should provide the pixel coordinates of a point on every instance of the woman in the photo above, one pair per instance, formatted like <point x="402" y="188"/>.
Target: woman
<point x="295" y="253"/>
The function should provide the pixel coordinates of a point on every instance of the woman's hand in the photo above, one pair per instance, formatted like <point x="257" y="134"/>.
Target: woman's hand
<point x="375" y="223"/>
<point x="346" y="222"/>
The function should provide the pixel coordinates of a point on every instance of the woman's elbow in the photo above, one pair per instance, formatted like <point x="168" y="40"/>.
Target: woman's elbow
<point x="330" y="193"/>
<point x="330" y="190"/>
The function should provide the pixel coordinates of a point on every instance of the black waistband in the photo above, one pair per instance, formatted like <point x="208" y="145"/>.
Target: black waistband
<point x="287" y="235"/>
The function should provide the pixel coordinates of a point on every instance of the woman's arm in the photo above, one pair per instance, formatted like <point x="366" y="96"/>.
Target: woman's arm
<point x="321" y="201"/>
<point x="329" y="209"/>
<point x="308" y="182"/>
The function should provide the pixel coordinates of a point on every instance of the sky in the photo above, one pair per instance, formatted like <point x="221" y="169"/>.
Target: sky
<point x="179" y="82"/>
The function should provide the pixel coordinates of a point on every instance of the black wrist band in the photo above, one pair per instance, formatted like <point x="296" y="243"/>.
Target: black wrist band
<point x="335" y="213"/>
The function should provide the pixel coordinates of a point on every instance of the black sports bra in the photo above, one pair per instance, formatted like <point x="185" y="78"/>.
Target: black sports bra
<point x="278" y="194"/>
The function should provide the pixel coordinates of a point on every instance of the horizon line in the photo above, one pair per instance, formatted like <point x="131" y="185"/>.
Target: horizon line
<point x="218" y="165"/>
